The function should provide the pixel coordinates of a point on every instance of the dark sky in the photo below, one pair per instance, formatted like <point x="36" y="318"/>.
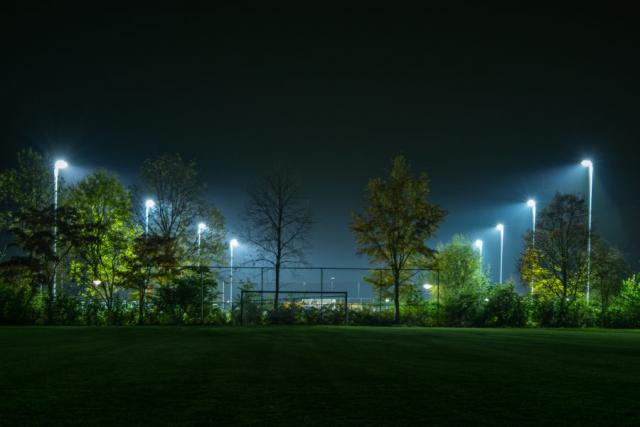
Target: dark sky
<point x="496" y="105"/>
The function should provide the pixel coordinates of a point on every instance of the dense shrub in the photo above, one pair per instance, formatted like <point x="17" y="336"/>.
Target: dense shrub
<point x="18" y="305"/>
<point x="503" y="306"/>
<point x="625" y="310"/>
<point x="462" y="309"/>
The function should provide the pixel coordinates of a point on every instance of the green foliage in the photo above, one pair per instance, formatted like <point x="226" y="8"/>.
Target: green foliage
<point x="608" y="271"/>
<point x="29" y="186"/>
<point x="503" y="306"/>
<point x="103" y="206"/>
<point x="460" y="269"/>
<point x="556" y="268"/>
<point x="463" y="309"/>
<point x="397" y="222"/>
<point x="187" y="300"/>
<point x="17" y="305"/>
<point x="625" y="310"/>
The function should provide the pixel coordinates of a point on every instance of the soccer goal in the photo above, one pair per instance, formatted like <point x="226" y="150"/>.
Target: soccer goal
<point x="308" y="307"/>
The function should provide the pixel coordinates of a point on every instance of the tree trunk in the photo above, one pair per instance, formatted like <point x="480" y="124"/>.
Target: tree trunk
<point x="277" y="294"/>
<point x="141" y="306"/>
<point x="396" y="297"/>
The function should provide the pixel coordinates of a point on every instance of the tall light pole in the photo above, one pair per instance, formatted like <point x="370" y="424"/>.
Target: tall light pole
<point x="478" y="244"/>
<point x="57" y="167"/>
<point x="427" y="287"/>
<point x="201" y="228"/>
<point x="589" y="164"/>
<point x="532" y="204"/>
<point x="148" y="205"/>
<point x="500" y="228"/>
<point x="233" y="243"/>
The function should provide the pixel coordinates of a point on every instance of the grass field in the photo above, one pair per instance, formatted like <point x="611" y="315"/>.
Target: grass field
<point x="318" y="376"/>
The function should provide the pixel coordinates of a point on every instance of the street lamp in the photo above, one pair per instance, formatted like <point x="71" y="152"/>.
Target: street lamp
<point x="589" y="164"/>
<point x="148" y="205"/>
<point x="332" y="279"/>
<point x="201" y="228"/>
<point x="500" y="228"/>
<point x="97" y="282"/>
<point x="478" y="244"/>
<point x="532" y="204"/>
<point x="57" y="167"/>
<point x="233" y="243"/>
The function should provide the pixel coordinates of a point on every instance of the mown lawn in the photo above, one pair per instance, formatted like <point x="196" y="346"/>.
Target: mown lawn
<point x="304" y="376"/>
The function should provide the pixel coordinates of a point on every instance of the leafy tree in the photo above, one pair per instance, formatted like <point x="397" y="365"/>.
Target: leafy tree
<point x="557" y="266"/>
<point x="625" y="310"/>
<point x="397" y="222"/>
<point x="278" y="222"/>
<point x="29" y="186"/>
<point x="382" y="282"/>
<point x="103" y="205"/>
<point x="460" y="268"/>
<point x="36" y="263"/>
<point x="180" y="204"/>
<point x="608" y="270"/>
<point x="153" y="258"/>
<point x="26" y="196"/>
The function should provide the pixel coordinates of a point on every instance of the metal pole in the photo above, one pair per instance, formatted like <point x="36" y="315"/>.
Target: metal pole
<point x="201" y="283"/>
<point x="231" y="276"/>
<point x="146" y="220"/>
<point x="202" y="296"/>
<point x="438" y="296"/>
<point x="501" y="251"/>
<point x="321" y="290"/>
<point x="533" y="229"/>
<point x="380" y="293"/>
<point x="242" y="307"/>
<point x="55" y="226"/>
<point x="261" y="287"/>
<point x="589" y="235"/>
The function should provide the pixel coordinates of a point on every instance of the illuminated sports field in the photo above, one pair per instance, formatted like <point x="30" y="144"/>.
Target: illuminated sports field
<point x="317" y="376"/>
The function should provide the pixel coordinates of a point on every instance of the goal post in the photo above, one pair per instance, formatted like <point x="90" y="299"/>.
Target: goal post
<point x="304" y="304"/>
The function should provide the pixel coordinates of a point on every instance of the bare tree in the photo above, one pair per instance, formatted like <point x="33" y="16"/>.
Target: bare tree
<point x="278" y="222"/>
<point x="180" y="203"/>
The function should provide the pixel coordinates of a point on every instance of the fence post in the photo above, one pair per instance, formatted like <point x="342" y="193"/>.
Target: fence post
<point x="261" y="288"/>
<point x="438" y="296"/>
<point x="241" y="307"/>
<point x="201" y="297"/>
<point x="346" y="309"/>
<point x="321" y="291"/>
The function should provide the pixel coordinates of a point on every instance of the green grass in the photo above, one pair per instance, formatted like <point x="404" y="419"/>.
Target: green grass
<point x="306" y="376"/>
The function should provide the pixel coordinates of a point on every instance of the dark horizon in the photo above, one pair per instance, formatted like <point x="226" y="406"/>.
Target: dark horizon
<point x="495" y="105"/>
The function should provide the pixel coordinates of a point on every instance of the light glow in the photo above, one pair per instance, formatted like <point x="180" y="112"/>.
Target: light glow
<point x="201" y="227"/>
<point x="97" y="282"/>
<point x="531" y="203"/>
<point x="427" y="286"/>
<point x="500" y="227"/>
<point x="150" y="204"/>
<point x="234" y="243"/>
<point x="478" y="244"/>
<point x="587" y="163"/>
<point x="61" y="164"/>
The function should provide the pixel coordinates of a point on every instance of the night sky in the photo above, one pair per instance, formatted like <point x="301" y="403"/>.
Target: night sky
<point x="495" y="105"/>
